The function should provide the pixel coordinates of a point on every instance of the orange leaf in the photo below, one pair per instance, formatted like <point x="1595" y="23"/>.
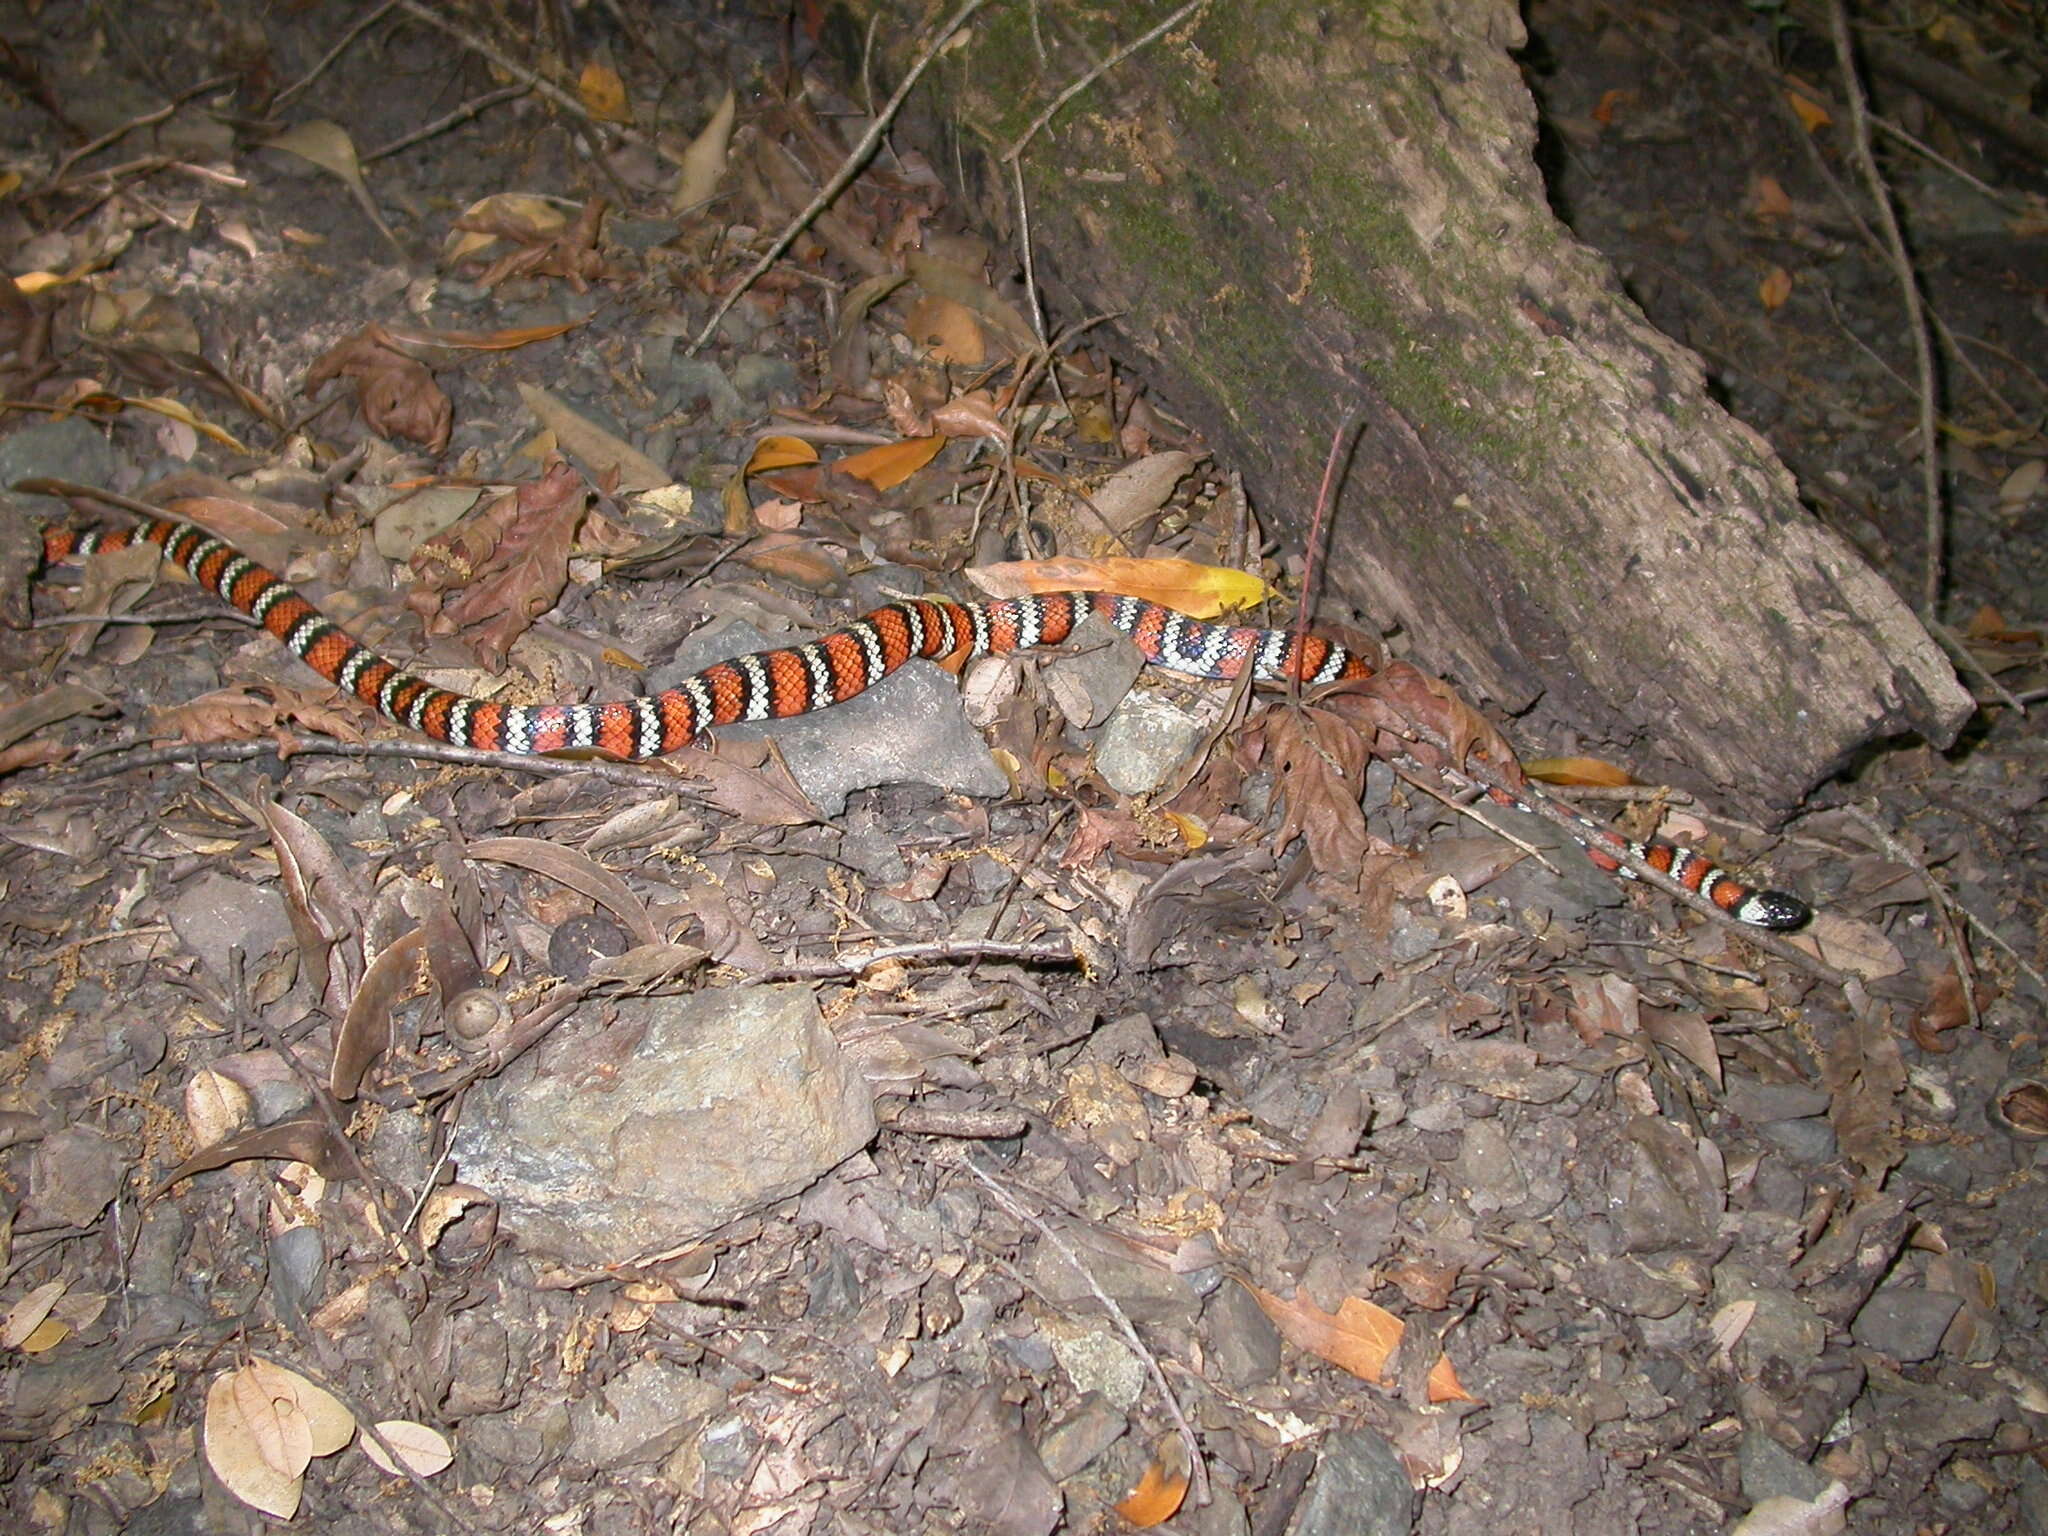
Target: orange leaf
<point x="890" y="464"/>
<point x="780" y="453"/>
<point x="1775" y="289"/>
<point x="1811" y="114"/>
<point x="1156" y="1498"/>
<point x="603" y="92"/>
<point x="1767" y="199"/>
<point x="1576" y="770"/>
<point x="1358" y="1337"/>
<point x="1610" y="104"/>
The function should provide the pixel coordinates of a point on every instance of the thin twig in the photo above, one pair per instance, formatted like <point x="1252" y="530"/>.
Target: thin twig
<point x="112" y="135"/>
<point x="849" y="168"/>
<point x="1909" y="293"/>
<point x="1095" y="74"/>
<point x="536" y="81"/>
<point x="1937" y="898"/>
<point x="475" y="107"/>
<point x="1965" y="658"/>
<point x="1197" y="1472"/>
<point x="916" y="952"/>
<point x="375" y="14"/>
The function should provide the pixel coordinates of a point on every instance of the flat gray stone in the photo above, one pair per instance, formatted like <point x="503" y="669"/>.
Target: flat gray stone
<point x="1145" y="741"/>
<point x="1357" y="1489"/>
<point x="727" y="1102"/>
<point x="71" y="449"/>
<point x="907" y="729"/>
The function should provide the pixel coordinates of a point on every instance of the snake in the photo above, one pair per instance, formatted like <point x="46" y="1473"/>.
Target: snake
<point x="797" y="679"/>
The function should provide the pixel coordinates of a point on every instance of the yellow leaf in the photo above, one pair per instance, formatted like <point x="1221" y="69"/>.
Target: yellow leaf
<point x="1775" y="289"/>
<point x="780" y="453"/>
<point x="1192" y="832"/>
<point x="890" y="464"/>
<point x="1204" y="591"/>
<point x="1811" y="114"/>
<point x="603" y="93"/>
<point x="164" y="405"/>
<point x="1576" y="770"/>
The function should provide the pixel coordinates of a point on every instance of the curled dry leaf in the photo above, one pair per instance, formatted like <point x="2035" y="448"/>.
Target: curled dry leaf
<point x="424" y="1451"/>
<point x="398" y="396"/>
<point x="579" y="872"/>
<point x="495" y="572"/>
<point x="1158" y="1495"/>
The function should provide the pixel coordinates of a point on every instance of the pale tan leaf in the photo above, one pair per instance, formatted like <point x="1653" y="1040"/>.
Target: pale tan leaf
<point x="597" y="448"/>
<point x="424" y="1451"/>
<point x="328" y="146"/>
<point x="704" y="159"/>
<point x="27" y="1314"/>
<point x="216" y="1107"/>
<point x="251" y="1438"/>
<point x="328" y="1422"/>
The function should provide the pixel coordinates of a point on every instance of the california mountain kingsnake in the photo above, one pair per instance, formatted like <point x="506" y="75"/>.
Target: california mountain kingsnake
<point x="793" y="680"/>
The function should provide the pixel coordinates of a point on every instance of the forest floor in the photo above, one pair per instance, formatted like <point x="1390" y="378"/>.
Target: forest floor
<point x="1018" y="1104"/>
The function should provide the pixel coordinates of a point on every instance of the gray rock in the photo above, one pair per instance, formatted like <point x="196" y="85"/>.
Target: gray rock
<point x="71" y="449"/>
<point x="1769" y="1470"/>
<point x="215" y="912"/>
<point x="1146" y="740"/>
<point x="1091" y="1428"/>
<point x="1487" y="1169"/>
<point x="1804" y="1141"/>
<point x="1357" y="1489"/>
<point x="1095" y="676"/>
<point x="1906" y="1324"/>
<point x="907" y="729"/>
<point x="762" y="379"/>
<point x="1760" y="1103"/>
<point x="640" y="1415"/>
<point x="727" y="1102"/>
<point x="1244" y="1344"/>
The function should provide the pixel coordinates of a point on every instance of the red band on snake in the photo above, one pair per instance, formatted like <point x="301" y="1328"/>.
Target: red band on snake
<point x="794" y="680"/>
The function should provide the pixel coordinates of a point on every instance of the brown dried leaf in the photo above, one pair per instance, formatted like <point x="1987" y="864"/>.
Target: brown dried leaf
<point x="1159" y="1493"/>
<point x="495" y="572"/>
<point x="304" y="1139"/>
<point x="1318" y="761"/>
<point x="258" y="1445"/>
<point x="1865" y="1076"/>
<point x="581" y="438"/>
<point x="424" y="1451"/>
<point x="579" y="872"/>
<point x="888" y="465"/>
<point x="365" y="1032"/>
<point x="1686" y="1031"/>
<point x="323" y="901"/>
<point x="397" y="395"/>
<point x="61" y="702"/>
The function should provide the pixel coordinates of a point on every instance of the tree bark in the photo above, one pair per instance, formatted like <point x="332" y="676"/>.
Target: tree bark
<point x="1297" y="210"/>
